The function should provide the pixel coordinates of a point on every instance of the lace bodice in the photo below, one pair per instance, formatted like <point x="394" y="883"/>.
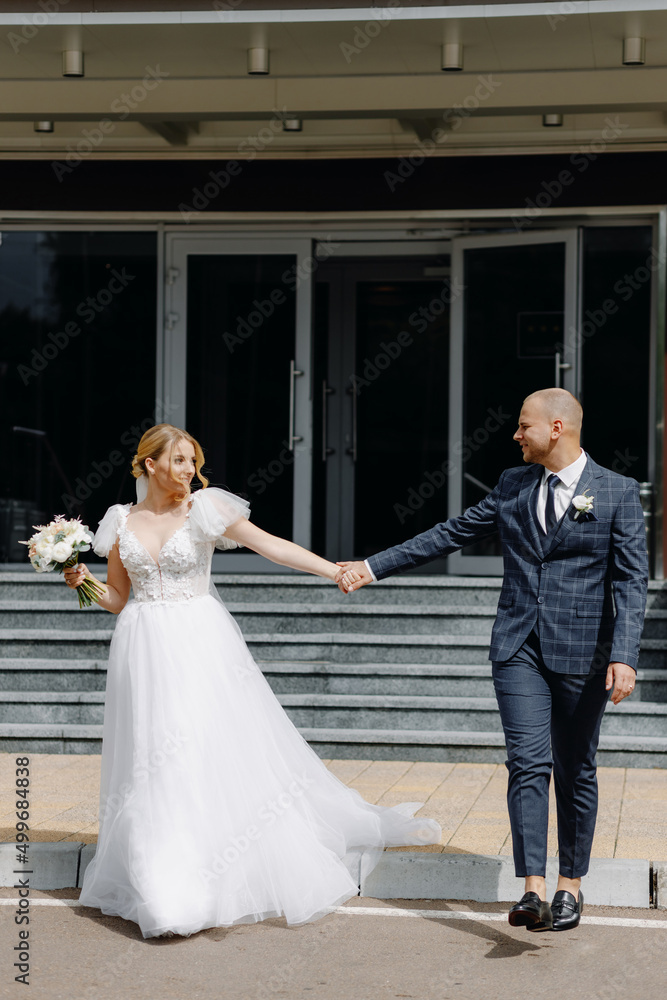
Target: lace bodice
<point x="182" y="571"/>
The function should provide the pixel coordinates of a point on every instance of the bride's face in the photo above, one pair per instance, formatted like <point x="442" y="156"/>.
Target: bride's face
<point x="181" y="465"/>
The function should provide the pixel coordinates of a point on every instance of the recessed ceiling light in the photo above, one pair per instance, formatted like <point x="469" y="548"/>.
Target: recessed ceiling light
<point x="72" y="62"/>
<point x="452" y="56"/>
<point x="258" y="61"/>
<point x="634" y="51"/>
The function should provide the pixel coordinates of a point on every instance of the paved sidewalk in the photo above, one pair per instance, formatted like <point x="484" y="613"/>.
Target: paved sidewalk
<point x="468" y="800"/>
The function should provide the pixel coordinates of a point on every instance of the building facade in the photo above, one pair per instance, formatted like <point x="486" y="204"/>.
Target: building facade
<point x="339" y="244"/>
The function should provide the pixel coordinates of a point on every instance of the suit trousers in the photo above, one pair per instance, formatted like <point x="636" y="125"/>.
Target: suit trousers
<point x="551" y="721"/>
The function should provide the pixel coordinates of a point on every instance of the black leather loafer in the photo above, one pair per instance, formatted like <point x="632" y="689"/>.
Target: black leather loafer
<point x="531" y="912"/>
<point x="566" y="910"/>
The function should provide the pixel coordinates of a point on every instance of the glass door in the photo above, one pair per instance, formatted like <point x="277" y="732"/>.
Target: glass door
<point x="235" y="369"/>
<point x="514" y="330"/>
<point x="382" y="378"/>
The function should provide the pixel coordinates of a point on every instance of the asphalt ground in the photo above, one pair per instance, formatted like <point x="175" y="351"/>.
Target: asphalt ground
<point x="367" y="950"/>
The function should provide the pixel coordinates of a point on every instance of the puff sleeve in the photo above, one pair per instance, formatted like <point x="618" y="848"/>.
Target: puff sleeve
<point x="107" y="531"/>
<point x="213" y="511"/>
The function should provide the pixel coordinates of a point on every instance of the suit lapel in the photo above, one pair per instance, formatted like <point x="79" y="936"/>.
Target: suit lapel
<point x="591" y="472"/>
<point x="527" y="509"/>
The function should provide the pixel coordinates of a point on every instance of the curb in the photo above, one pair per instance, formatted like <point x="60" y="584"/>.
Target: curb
<point x="624" y="882"/>
<point x="482" y="878"/>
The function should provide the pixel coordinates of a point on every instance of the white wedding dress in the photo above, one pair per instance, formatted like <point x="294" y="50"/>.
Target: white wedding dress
<point x="213" y="809"/>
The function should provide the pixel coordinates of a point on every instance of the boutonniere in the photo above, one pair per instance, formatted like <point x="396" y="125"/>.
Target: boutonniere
<point x="584" y="505"/>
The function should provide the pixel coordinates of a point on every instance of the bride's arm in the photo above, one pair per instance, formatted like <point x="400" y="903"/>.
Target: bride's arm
<point x="279" y="550"/>
<point x="117" y="587"/>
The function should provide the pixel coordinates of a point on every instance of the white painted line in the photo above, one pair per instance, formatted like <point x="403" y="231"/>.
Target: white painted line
<point x="395" y="911"/>
<point x="42" y="902"/>
<point x="389" y="911"/>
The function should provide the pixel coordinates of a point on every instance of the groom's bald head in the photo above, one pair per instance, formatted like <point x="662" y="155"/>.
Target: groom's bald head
<point x="549" y="428"/>
<point x="559" y="404"/>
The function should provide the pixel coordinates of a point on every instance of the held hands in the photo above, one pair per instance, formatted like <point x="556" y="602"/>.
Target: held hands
<point x="352" y="576"/>
<point x="623" y="679"/>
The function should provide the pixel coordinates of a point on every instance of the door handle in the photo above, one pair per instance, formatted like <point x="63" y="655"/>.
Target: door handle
<point x="293" y="373"/>
<point x="353" y="449"/>
<point x="560" y="367"/>
<point x="326" y="391"/>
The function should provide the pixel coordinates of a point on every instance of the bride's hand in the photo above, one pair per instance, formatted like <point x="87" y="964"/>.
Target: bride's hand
<point x="75" y="575"/>
<point x="352" y="576"/>
<point x="338" y="580"/>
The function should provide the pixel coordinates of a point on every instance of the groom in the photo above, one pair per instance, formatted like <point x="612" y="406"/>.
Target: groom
<point x="569" y="621"/>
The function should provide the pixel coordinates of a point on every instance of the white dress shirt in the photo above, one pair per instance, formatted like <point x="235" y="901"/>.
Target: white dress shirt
<point x="563" y="493"/>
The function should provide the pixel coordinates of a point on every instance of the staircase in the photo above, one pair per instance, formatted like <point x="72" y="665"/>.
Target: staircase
<point x="398" y="670"/>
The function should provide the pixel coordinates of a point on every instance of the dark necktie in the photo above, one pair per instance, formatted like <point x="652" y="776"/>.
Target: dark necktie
<point x="550" y="518"/>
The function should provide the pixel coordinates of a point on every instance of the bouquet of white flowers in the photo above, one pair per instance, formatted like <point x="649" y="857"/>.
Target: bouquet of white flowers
<point x="57" y="546"/>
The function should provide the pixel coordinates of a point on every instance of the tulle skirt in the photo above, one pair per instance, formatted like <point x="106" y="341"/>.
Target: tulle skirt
<point x="213" y="809"/>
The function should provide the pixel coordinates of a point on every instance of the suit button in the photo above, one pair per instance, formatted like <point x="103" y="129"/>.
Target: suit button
<point x="544" y="565"/>
<point x="540" y="600"/>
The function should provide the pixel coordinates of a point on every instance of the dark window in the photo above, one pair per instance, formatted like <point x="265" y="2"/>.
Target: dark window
<point x="615" y="332"/>
<point x="77" y="369"/>
<point x="241" y="335"/>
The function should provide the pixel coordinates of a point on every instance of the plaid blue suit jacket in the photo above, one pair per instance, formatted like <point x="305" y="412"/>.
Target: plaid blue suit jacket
<point x="583" y="587"/>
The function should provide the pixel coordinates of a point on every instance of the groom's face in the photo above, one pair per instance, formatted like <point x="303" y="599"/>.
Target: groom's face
<point x="534" y="432"/>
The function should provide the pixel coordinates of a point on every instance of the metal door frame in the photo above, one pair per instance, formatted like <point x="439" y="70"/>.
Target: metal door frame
<point x="457" y="563"/>
<point x="172" y="358"/>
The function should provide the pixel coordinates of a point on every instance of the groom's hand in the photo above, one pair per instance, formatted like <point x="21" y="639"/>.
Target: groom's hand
<point x="352" y="576"/>
<point x="622" y="677"/>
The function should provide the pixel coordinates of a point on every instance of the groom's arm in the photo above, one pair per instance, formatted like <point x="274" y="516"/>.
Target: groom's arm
<point x="629" y="575"/>
<point x="475" y="524"/>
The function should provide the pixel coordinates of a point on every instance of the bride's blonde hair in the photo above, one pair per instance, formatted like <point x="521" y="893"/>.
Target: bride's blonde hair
<point x="153" y="444"/>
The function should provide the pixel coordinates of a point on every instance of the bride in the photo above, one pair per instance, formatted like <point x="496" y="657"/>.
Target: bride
<point x="213" y="809"/>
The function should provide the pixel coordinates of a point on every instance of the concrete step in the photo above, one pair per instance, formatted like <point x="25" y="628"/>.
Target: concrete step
<point x="302" y="677"/>
<point x="45" y="674"/>
<point x="424" y="713"/>
<point x="342" y="711"/>
<point x="409" y="588"/>
<point x="276" y="617"/>
<point x="257" y="617"/>
<point x="337" y="647"/>
<point x="40" y="737"/>
<point x="72" y="707"/>
<point x="74" y="644"/>
<point x="438" y="679"/>
<point x="288" y="588"/>
<point x="462" y="747"/>
<point x="43" y="587"/>
<point x="380" y="678"/>
<point x="56" y="615"/>
<point x="58" y="644"/>
<point x="354" y="744"/>
<point x="334" y="646"/>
